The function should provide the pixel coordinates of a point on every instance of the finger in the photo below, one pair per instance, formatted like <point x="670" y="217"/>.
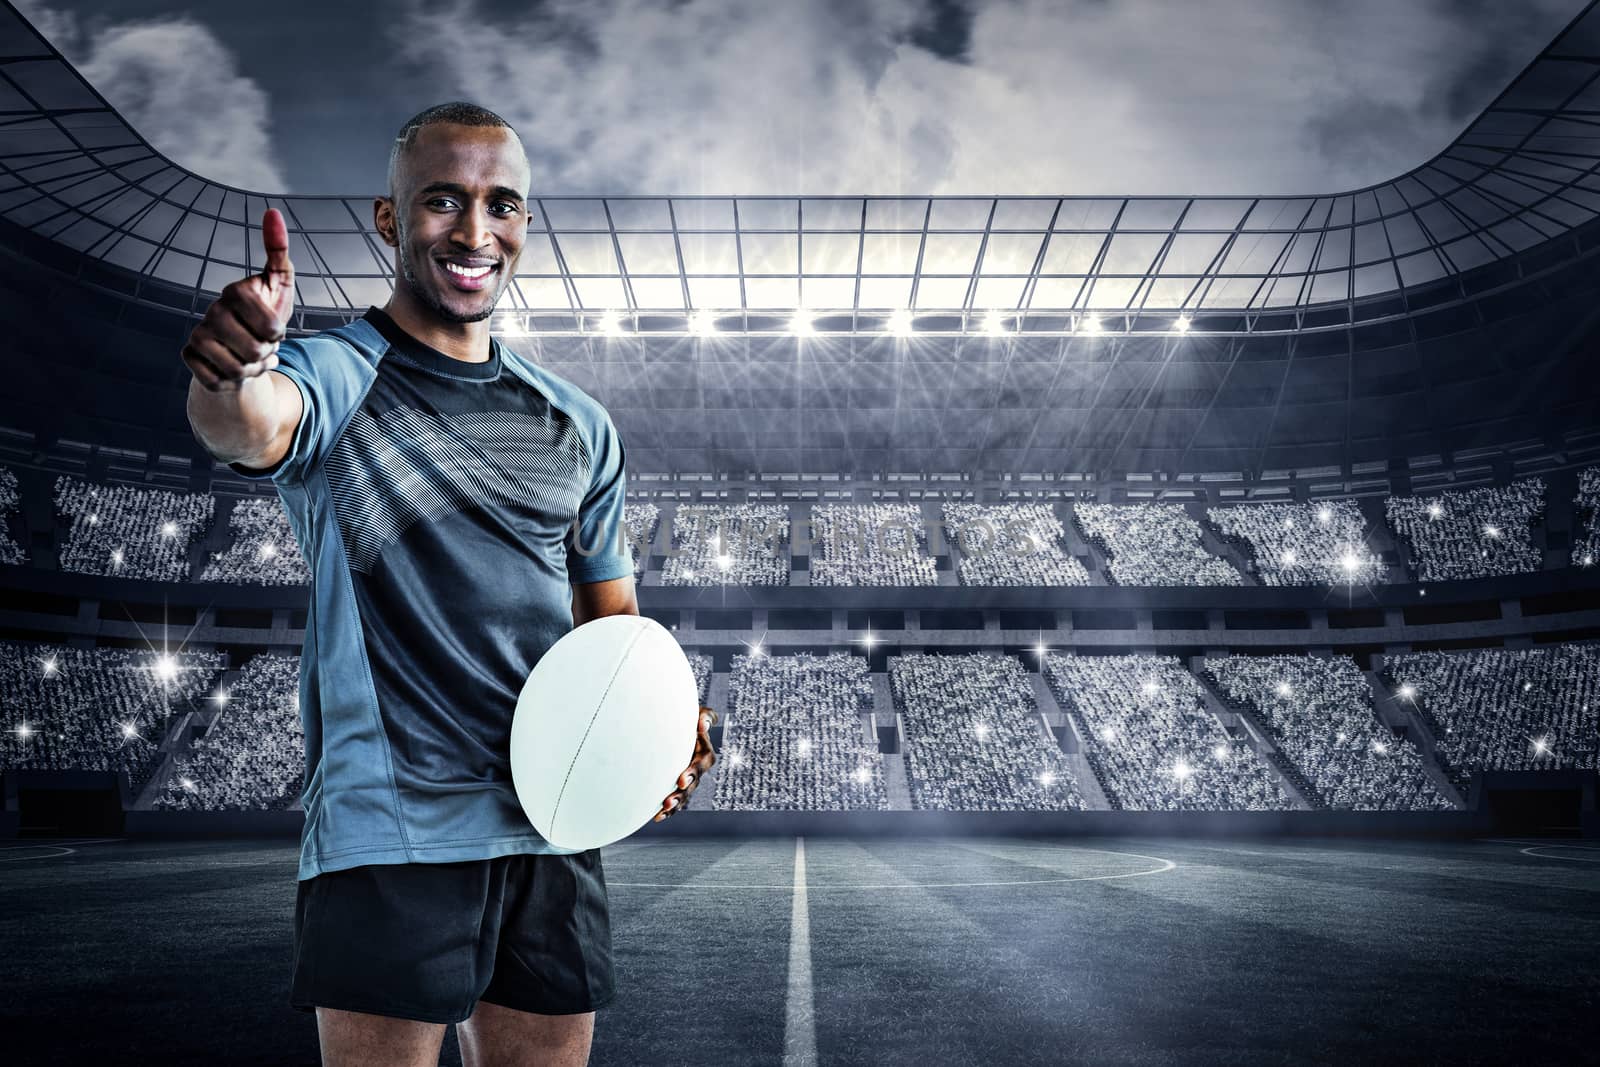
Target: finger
<point x="278" y="273"/>
<point x="204" y="372"/>
<point x="237" y="338"/>
<point x="251" y="303"/>
<point x="223" y="359"/>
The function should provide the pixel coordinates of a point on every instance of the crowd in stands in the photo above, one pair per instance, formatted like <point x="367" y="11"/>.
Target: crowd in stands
<point x="264" y="551"/>
<point x="1319" y="713"/>
<point x="728" y="544"/>
<point x="974" y="737"/>
<point x="1471" y="533"/>
<point x="1302" y="544"/>
<point x="1505" y="709"/>
<point x="95" y="709"/>
<point x="793" y="737"/>
<point x="128" y="532"/>
<point x="870" y="544"/>
<point x="1152" y="740"/>
<point x="10" y="551"/>
<point x="1586" y="536"/>
<point x="701" y="665"/>
<point x="252" y="756"/>
<point x="1011" y="544"/>
<point x="642" y="521"/>
<point x="1153" y="544"/>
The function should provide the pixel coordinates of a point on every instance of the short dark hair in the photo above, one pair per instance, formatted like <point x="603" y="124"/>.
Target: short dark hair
<point x="455" y="113"/>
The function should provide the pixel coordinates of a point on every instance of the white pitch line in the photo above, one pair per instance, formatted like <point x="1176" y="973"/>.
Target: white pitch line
<point x="22" y="859"/>
<point x="1537" y="852"/>
<point x="799" y="1016"/>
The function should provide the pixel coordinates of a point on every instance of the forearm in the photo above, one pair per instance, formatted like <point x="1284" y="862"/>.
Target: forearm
<point x="235" y="424"/>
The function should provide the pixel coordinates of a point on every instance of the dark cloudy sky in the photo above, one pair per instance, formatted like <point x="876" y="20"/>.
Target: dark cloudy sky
<point x="818" y="96"/>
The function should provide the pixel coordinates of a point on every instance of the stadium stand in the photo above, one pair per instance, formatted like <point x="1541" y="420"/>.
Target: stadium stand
<point x="94" y="709"/>
<point x="974" y="739"/>
<point x="1586" y="540"/>
<point x="1152" y="741"/>
<point x="263" y="552"/>
<point x="10" y="551"/>
<point x="1302" y="544"/>
<point x="1505" y="709"/>
<point x="1319" y="713"/>
<point x="1471" y="533"/>
<point x="728" y="544"/>
<point x="128" y="532"/>
<point x="252" y="756"/>
<point x="642" y="521"/>
<point x="794" y="740"/>
<point x="870" y="544"/>
<point x="1011" y="544"/>
<point x="1152" y="544"/>
<point x="701" y="665"/>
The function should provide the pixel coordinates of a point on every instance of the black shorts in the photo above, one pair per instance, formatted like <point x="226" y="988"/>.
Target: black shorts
<point x="427" y="941"/>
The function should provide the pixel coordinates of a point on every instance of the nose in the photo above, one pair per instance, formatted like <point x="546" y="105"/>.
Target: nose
<point x="471" y="231"/>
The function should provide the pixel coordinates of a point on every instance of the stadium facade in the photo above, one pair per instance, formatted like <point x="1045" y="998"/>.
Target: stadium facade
<point x="1411" y="363"/>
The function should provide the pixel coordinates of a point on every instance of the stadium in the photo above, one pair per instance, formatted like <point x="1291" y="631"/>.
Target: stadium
<point x="1146" y="630"/>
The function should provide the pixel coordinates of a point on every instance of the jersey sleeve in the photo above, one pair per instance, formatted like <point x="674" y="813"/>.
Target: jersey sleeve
<point x="601" y="553"/>
<point x="329" y="376"/>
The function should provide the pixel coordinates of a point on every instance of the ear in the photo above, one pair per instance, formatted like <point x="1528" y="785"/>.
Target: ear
<point x="383" y="219"/>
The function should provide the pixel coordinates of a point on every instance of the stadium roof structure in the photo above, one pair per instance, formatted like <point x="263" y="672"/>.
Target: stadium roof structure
<point x="1013" y="333"/>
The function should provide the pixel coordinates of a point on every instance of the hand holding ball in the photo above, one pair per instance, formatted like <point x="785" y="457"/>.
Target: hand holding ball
<point x="604" y="726"/>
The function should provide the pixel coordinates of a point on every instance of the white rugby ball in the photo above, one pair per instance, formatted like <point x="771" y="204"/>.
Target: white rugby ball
<point x="604" y="725"/>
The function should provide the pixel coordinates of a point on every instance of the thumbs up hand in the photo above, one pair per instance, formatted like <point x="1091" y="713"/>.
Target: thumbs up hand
<point x="237" y="338"/>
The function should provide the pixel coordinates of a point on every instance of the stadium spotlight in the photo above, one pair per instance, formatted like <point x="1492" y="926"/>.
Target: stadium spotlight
<point x="900" y="323"/>
<point x="994" y="324"/>
<point x="268" y="550"/>
<point x="1408" y="692"/>
<point x="755" y="648"/>
<point x="1351" y="563"/>
<point x="1221" y="752"/>
<point x="1540" y="746"/>
<point x="169" y="529"/>
<point x="1182" y="324"/>
<point x="129" y="731"/>
<point x="1435" y="510"/>
<point x="117" y="557"/>
<point x="166" y="668"/>
<point x="703" y="324"/>
<point x="869" y="640"/>
<point x="50" y="666"/>
<point x="1181" y="770"/>
<point x="801" y="324"/>
<point x="221" y="697"/>
<point x="609" y="324"/>
<point x="1089" y="324"/>
<point x="24" y="731"/>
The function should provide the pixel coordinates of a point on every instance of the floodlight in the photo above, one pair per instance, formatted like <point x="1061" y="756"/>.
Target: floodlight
<point x="50" y="665"/>
<point x="220" y="696"/>
<point x="24" y="731"/>
<point x="703" y="324"/>
<point x="994" y="324"/>
<point x="901" y="323"/>
<point x="801" y="325"/>
<point x="1408" y="692"/>
<point x="1089" y="324"/>
<point x="1182" y="324"/>
<point x="129" y="731"/>
<point x="166" y="668"/>
<point x="610" y="324"/>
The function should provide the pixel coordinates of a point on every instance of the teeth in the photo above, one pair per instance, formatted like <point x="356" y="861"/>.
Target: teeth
<point x="467" y="272"/>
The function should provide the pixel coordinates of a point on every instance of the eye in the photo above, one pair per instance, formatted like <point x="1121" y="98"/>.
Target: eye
<point x="505" y="208"/>
<point x="443" y="203"/>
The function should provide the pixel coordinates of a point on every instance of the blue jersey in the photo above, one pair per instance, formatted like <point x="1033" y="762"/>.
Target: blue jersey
<point x="444" y="507"/>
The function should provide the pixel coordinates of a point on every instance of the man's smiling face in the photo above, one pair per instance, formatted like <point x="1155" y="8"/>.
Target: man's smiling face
<point x="460" y="217"/>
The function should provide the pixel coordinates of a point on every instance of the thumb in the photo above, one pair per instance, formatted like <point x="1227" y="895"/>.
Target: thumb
<point x="278" y="273"/>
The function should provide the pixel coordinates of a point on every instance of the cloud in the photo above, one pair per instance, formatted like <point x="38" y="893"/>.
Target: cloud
<point x="1088" y="96"/>
<point x="179" y="87"/>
